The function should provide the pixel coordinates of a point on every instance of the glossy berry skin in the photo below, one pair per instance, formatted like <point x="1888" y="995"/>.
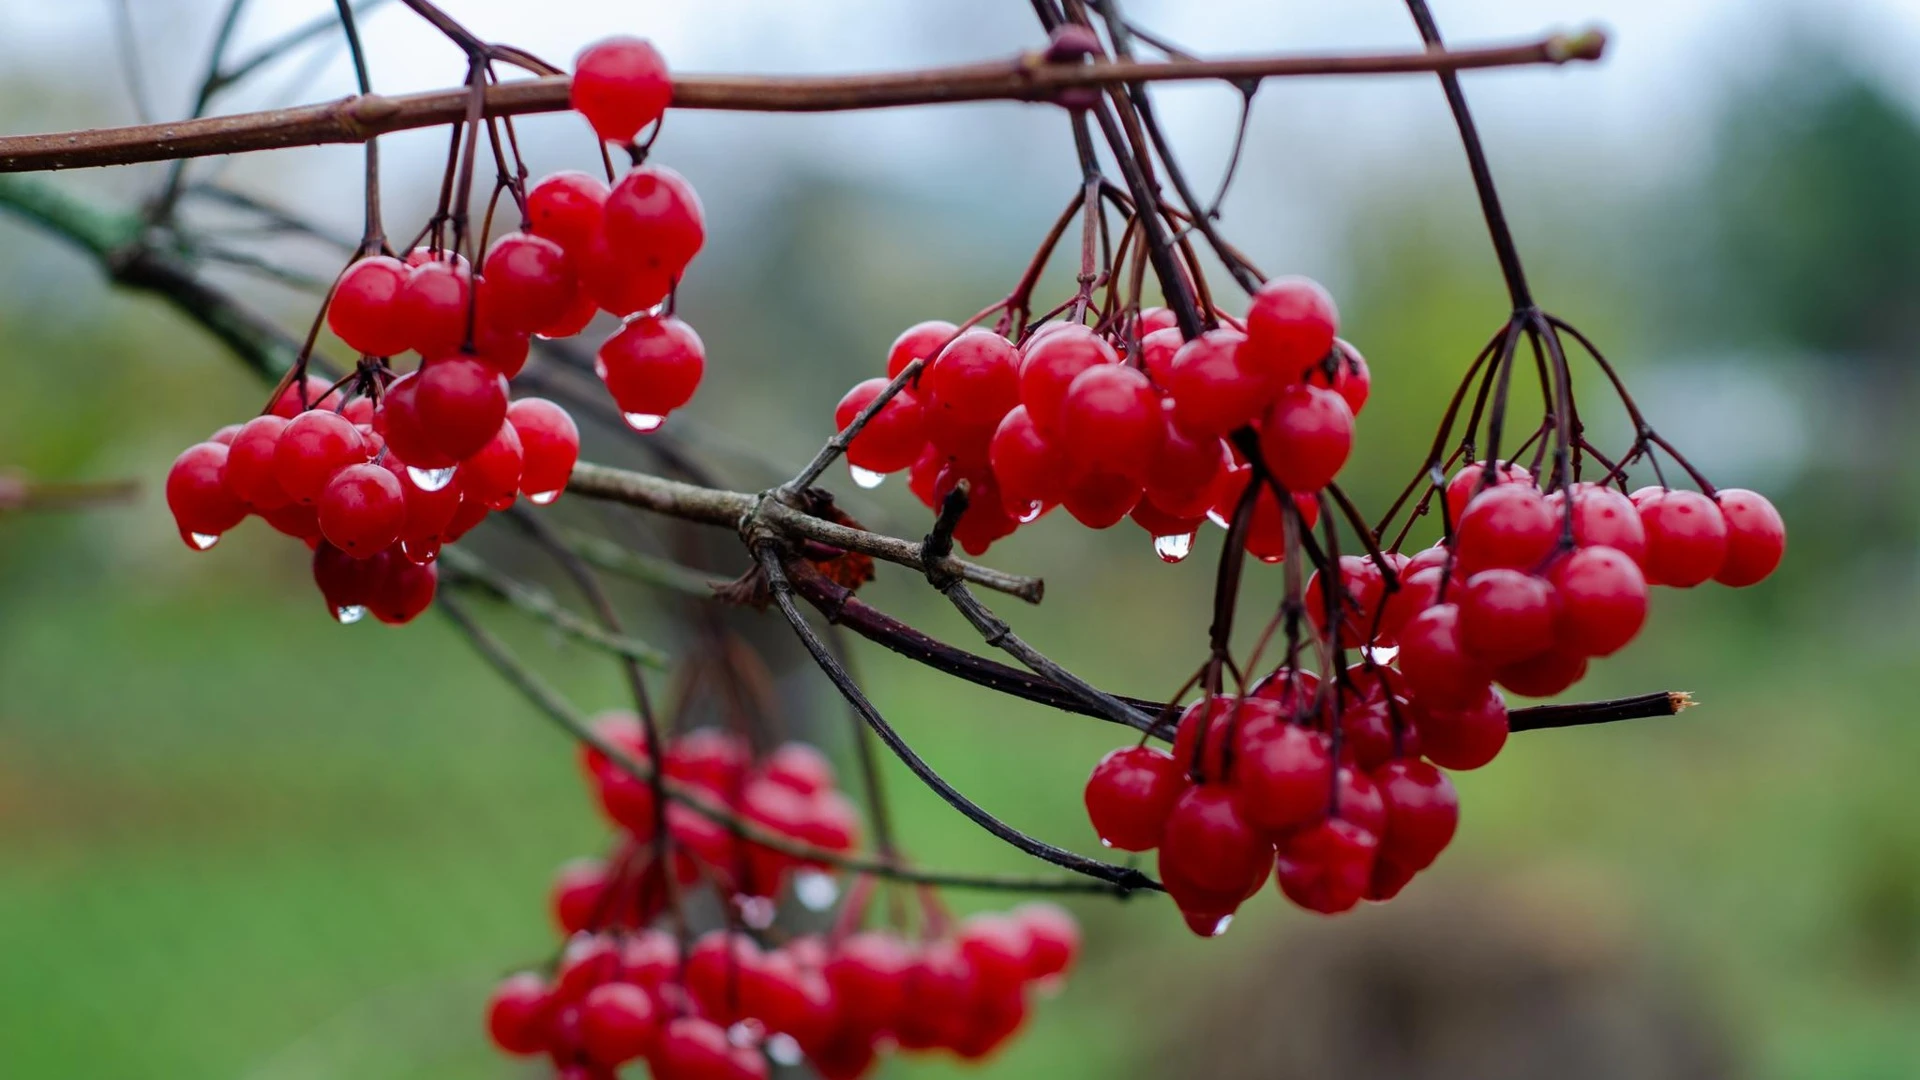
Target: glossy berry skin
<point x="491" y="475"/>
<point x="1130" y="794"/>
<point x="617" y="1023"/>
<point x="1466" y="484"/>
<point x="1290" y="326"/>
<point x="459" y="403"/>
<point x="1603" y="517"/>
<point x="550" y="445"/>
<point x="362" y="509"/>
<point x="653" y="219"/>
<point x="565" y="207"/>
<point x="434" y="305"/>
<point x="364" y="311"/>
<point x="1110" y="421"/>
<point x="1756" y="537"/>
<point x="693" y="1049"/>
<point x="290" y="404"/>
<point x="1686" y="536"/>
<point x="1362" y="586"/>
<point x="1423" y="811"/>
<point x="1542" y="676"/>
<point x="1603" y="600"/>
<point x="249" y="472"/>
<point x="1213" y="393"/>
<point x="1438" y="668"/>
<point x="344" y="581"/>
<point x="1326" y="868"/>
<point x="918" y="342"/>
<point x="1101" y="500"/>
<point x="893" y="438"/>
<point x="1052" y="359"/>
<point x="653" y="365"/>
<point x="1030" y="470"/>
<point x="617" y="281"/>
<point x="1507" y="526"/>
<point x="407" y="435"/>
<point x="975" y="380"/>
<point x="868" y="973"/>
<point x="1466" y="737"/>
<point x="620" y="84"/>
<point x="312" y="448"/>
<point x="401" y="588"/>
<point x="1351" y="378"/>
<point x="1506" y="615"/>
<point x="197" y="494"/>
<point x="1283" y="779"/>
<point x="517" y="1014"/>
<point x="1184" y="476"/>
<point x="1209" y="844"/>
<point x="529" y="282"/>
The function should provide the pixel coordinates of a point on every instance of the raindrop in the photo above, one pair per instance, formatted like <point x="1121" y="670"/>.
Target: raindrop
<point x="420" y="552"/>
<point x="866" y="478"/>
<point x="350" y="614"/>
<point x="431" y="479"/>
<point x="544" y="498"/>
<point x="1105" y="843"/>
<point x="1032" y="513"/>
<point x="1381" y="654"/>
<point x="643" y="422"/>
<point x="784" y="1050"/>
<point x="757" y="912"/>
<point x="1221" y="926"/>
<point x="202" y="541"/>
<point x="815" y="890"/>
<point x="1173" y="548"/>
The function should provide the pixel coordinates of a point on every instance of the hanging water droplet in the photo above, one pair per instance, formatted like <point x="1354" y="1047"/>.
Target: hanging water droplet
<point x="1106" y="843"/>
<point x="202" y="541"/>
<point x="1381" y="654"/>
<point x="420" y="552"/>
<point x="350" y="614"/>
<point x="643" y="422"/>
<point x="544" y="498"/>
<point x="815" y="889"/>
<point x="431" y="479"/>
<point x="1174" y="547"/>
<point x="1271" y="559"/>
<point x="866" y="478"/>
<point x="757" y="912"/>
<point x="1221" y="926"/>
<point x="784" y="1050"/>
<point x="1032" y="513"/>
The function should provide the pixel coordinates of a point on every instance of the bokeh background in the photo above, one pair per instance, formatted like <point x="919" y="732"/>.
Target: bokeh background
<point x="237" y="840"/>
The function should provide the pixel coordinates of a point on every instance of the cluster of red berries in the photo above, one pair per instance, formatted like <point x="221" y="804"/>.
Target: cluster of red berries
<point x="728" y="1006"/>
<point x="1126" y="421"/>
<point x="377" y="473"/>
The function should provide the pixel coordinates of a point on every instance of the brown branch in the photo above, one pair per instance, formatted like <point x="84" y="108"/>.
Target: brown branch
<point x="1024" y="78"/>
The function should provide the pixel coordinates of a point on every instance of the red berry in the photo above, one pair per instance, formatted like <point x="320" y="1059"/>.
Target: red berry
<point x="1686" y="536"/>
<point x="550" y="442"/>
<point x="1542" y="676"/>
<point x="1283" y="778"/>
<point x="1184" y="476"/>
<point x="617" y="1023"/>
<point x="975" y="380"/>
<point x="1157" y="350"/>
<point x="517" y="1014"/>
<point x="347" y="584"/>
<point x="1326" y="868"/>
<point x="1210" y="845"/>
<point x="620" y="84"/>
<point x="579" y="896"/>
<point x="1603" y="600"/>
<point x="365" y="309"/>
<point x="1030" y="470"/>
<point x="918" y="342"/>
<point x="1290" y="326"/>
<point x="653" y="220"/>
<point x="529" y="282"/>
<point x="996" y="947"/>
<point x="1351" y="379"/>
<point x="1101" y="500"/>
<point x="652" y="366"/>
<point x="1053" y="935"/>
<point x="197" y="494"/>
<point x="1052" y="359"/>
<point x="579" y="313"/>
<point x="693" y="1049"/>
<point x="868" y="973"/>
<point x="1438" y="668"/>
<point x="799" y="766"/>
<point x="1466" y="484"/>
<point x="312" y="448"/>
<point x="398" y="421"/>
<point x="1130" y="794"/>
<point x="434" y="306"/>
<point x="1213" y="393"/>
<point x="459" y="403"/>
<point x="1362" y="587"/>
<point x="289" y="404"/>
<point x="565" y="208"/>
<point x="1602" y="517"/>
<point x="401" y="588"/>
<point x="893" y="438"/>
<point x="1423" y="810"/>
<point x="1111" y="421"/>
<point x="1506" y="616"/>
<point x="1466" y="737"/>
<point x="1756" y="537"/>
<point x="362" y="509"/>
<point x="249" y="472"/>
<point x="491" y="475"/>
<point x="1508" y="526"/>
<point x="619" y="281"/>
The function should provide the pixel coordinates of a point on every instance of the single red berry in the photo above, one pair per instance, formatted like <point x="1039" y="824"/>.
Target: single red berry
<point x="362" y="509"/>
<point x="1290" y="326"/>
<point x="1111" y="421"/>
<point x="1130" y="794"/>
<point x="1326" y="868"/>
<point x="346" y="584"/>
<point x="1756" y="537"/>
<point x="249" y="472"/>
<point x="312" y="448"/>
<point x="1211" y="845"/>
<point x="996" y="946"/>
<point x="621" y="282"/>
<point x="1423" y="810"/>
<point x="1542" y="676"/>
<point x="1603" y="600"/>
<point x="1351" y="379"/>
<point x="1361" y="589"/>
<point x="653" y="219"/>
<point x="1419" y="588"/>
<point x="620" y="84"/>
<point x="1466" y="484"/>
<point x="550" y="442"/>
<point x="1100" y="500"/>
<point x="975" y="380"/>
<point x="198" y="496"/>
<point x="365" y="308"/>
<point x="918" y="342"/>
<point x="799" y="766"/>
<point x="893" y="438"/>
<point x="295" y="520"/>
<point x="1054" y="935"/>
<point x="1267" y="533"/>
<point x="1602" y="517"/>
<point x="1686" y="536"/>
<point x="579" y="314"/>
<point x="1506" y="616"/>
<point x="693" y="1049"/>
<point x="1050" y="362"/>
<point x="579" y="896"/>
<point x="401" y="588"/>
<point x="1213" y="392"/>
<point x="565" y="207"/>
<point x="459" y="404"/>
<point x="1466" y="737"/>
<point x="517" y="1015"/>
<point x="491" y="475"/>
<point x="434" y="306"/>
<point x="868" y="973"/>
<point x="528" y="282"/>
<point x="652" y="366"/>
<point x="711" y="758"/>
<point x="290" y="404"/>
<point x="1438" y="668"/>
<point x="1283" y="779"/>
<point x="1157" y="350"/>
<point x="1508" y="526"/>
<point x="586" y="962"/>
<point x="617" y="1023"/>
<point x="1029" y="469"/>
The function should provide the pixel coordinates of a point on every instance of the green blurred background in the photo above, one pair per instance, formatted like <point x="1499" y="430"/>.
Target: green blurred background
<point x="237" y="840"/>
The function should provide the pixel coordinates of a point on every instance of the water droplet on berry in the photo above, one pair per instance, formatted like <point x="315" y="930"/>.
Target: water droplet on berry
<point x="784" y="1050"/>
<point x="815" y="889"/>
<point x="643" y="422"/>
<point x="1106" y="843"/>
<point x="1032" y="513"/>
<point x="866" y="478"/>
<point x="350" y="614"/>
<point x="1221" y="926"/>
<point x="431" y="479"/>
<point x="420" y="552"/>
<point x="600" y="368"/>
<point x="1271" y="559"/>
<point x="544" y="498"/>
<point x="1381" y="654"/>
<point x="202" y="541"/>
<point x="757" y="912"/>
<point x="1173" y="548"/>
